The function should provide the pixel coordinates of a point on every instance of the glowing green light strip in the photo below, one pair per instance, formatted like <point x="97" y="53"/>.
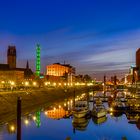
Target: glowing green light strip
<point x="38" y="121"/>
<point x="38" y="60"/>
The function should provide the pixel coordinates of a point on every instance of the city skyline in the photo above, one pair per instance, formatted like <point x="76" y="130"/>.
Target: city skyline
<point x="95" y="37"/>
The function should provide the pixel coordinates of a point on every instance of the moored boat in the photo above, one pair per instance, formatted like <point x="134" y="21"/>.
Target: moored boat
<point x="81" y="109"/>
<point x="98" y="110"/>
<point x="120" y="106"/>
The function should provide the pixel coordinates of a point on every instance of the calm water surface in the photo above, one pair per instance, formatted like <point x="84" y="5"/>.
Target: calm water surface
<point x="47" y="125"/>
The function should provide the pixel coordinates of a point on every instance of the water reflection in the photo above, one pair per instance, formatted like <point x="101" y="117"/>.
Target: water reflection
<point x="134" y="119"/>
<point x="80" y="123"/>
<point x="116" y="114"/>
<point x="26" y="122"/>
<point x="37" y="119"/>
<point x="100" y="120"/>
<point x="57" y="113"/>
<point x="59" y="119"/>
<point x="12" y="127"/>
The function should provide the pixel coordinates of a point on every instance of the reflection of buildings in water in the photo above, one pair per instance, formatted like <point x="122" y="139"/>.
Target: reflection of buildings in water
<point x="68" y="138"/>
<point x="12" y="127"/>
<point x="117" y="114"/>
<point x="80" y="123"/>
<point x="56" y="113"/>
<point x="124" y="138"/>
<point x="134" y="119"/>
<point x="99" y="120"/>
<point x="138" y="124"/>
<point x="132" y="116"/>
<point x="134" y="104"/>
<point x="38" y="120"/>
<point x="32" y="117"/>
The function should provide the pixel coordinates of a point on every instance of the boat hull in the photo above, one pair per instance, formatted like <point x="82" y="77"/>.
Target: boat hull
<point x="98" y="114"/>
<point x="79" y="114"/>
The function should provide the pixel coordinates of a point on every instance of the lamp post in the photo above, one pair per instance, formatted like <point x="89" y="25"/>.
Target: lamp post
<point x="26" y="85"/>
<point x="12" y="85"/>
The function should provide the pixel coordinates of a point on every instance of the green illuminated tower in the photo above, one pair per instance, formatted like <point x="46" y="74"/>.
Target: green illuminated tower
<point x="38" y="60"/>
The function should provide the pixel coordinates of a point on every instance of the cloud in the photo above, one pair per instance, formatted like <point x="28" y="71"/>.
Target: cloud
<point x="106" y="54"/>
<point x="88" y="52"/>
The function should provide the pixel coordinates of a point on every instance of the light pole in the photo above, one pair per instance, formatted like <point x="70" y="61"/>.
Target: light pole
<point x="12" y="85"/>
<point x="26" y="85"/>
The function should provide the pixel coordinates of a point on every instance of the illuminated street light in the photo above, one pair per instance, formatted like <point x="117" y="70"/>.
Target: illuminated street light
<point x="34" y="83"/>
<point x="54" y="84"/>
<point x="46" y="83"/>
<point x="77" y="84"/>
<point x="12" y="83"/>
<point x="26" y="83"/>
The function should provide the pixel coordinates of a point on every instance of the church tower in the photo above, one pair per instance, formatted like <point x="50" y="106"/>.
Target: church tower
<point x="11" y="56"/>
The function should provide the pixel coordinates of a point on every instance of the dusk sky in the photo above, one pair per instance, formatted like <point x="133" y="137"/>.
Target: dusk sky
<point x="95" y="36"/>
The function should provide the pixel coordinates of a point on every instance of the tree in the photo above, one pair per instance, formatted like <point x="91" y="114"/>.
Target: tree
<point x="87" y="78"/>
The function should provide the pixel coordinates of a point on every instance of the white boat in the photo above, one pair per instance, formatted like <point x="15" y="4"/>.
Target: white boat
<point x="81" y="109"/>
<point x="98" y="110"/>
<point x="117" y="105"/>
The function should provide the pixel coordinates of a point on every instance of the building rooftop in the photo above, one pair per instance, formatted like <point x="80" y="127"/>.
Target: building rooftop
<point x="4" y="67"/>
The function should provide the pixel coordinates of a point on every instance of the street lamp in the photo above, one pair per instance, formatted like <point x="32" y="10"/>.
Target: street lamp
<point x="34" y="84"/>
<point x="12" y="84"/>
<point x="46" y="83"/>
<point x="54" y="84"/>
<point x="26" y="83"/>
